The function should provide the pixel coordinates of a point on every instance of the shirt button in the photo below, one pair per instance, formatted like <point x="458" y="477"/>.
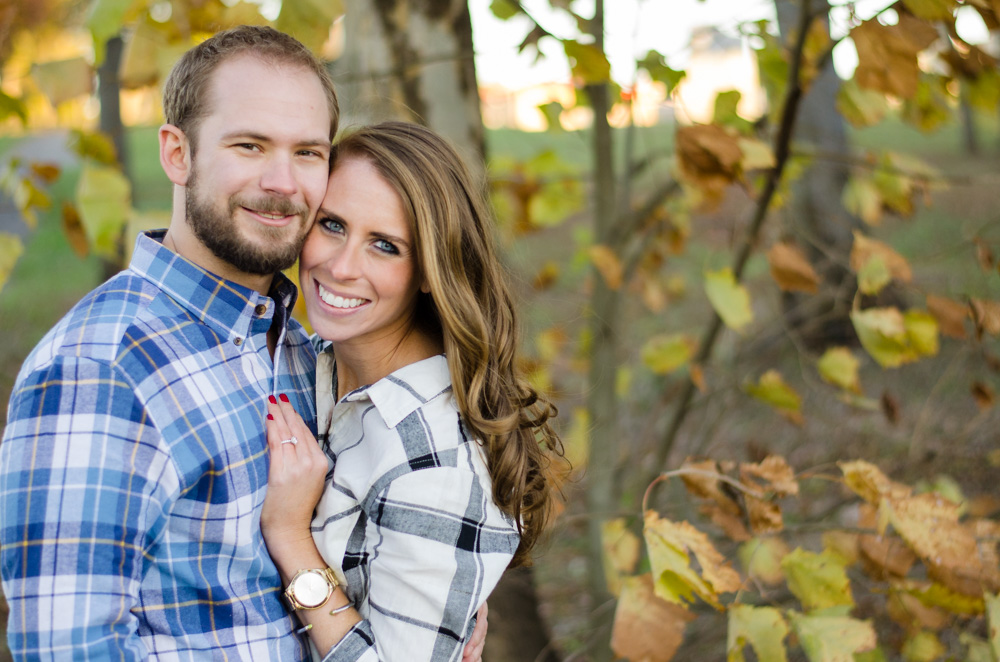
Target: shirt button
<point x="260" y="309"/>
<point x="237" y="341"/>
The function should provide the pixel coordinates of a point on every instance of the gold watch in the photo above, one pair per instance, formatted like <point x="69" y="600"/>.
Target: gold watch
<point x="311" y="588"/>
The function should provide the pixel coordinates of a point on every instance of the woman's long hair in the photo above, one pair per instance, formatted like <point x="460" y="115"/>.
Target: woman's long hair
<point x="470" y="306"/>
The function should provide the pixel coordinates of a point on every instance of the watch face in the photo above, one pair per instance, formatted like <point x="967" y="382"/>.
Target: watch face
<point x="311" y="589"/>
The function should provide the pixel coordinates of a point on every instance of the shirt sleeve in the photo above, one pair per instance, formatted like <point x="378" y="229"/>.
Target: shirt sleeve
<point x="83" y="477"/>
<point x="436" y="548"/>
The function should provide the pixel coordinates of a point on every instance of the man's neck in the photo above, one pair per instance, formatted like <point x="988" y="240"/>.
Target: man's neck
<point x="187" y="246"/>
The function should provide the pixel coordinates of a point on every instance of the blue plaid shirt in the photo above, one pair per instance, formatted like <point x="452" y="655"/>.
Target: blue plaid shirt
<point x="134" y="464"/>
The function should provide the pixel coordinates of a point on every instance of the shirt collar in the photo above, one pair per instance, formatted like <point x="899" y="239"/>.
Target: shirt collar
<point x="211" y="299"/>
<point x="402" y="392"/>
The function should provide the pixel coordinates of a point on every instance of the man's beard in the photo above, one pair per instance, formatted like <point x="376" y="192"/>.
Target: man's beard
<point x="273" y="251"/>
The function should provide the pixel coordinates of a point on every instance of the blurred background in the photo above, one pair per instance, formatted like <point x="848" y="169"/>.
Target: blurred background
<point x="738" y="229"/>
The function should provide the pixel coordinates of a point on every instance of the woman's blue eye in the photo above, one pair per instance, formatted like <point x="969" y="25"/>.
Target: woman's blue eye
<point x="331" y="225"/>
<point x="386" y="247"/>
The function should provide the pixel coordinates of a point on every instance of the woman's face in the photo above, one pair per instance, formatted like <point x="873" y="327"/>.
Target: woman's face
<point x="358" y="265"/>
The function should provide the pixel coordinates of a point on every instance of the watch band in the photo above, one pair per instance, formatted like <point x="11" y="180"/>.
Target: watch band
<point x="310" y="575"/>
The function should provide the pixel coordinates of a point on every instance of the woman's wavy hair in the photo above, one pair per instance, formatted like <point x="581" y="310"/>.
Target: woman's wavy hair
<point x="470" y="306"/>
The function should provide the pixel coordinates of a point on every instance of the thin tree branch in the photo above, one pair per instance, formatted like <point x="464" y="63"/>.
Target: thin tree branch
<point x="782" y="151"/>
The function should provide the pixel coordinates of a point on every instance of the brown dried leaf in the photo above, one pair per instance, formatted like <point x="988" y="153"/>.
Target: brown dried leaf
<point x="765" y="516"/>
<point x="887" y="54"/>
<point x="890" y="407"/>
<point x="708" y="486"/>
<point x="47" y="172"/>
<point x="911" y="614"/>
<point x="984" y="254"/>
<point x="982" y="505"/>
<point x="986" y="315"/>
<point x="646" y="628"/>
<point x="791" y="269"/>
<point x="74" y="230"/>
<point x="608" y="264"/>
<point x="950" y="315"/>
<point x="697" y="375"/>
<point x="709" y="157"/>
<point x="777" y="475"/>
<point x="869" y="483"/>
<point x="983" y="394"/>
<point x="546" y="276"/>
<point x="882" y="556"/>
<point x="731" y="524"/>
<point x="865" y="248"/>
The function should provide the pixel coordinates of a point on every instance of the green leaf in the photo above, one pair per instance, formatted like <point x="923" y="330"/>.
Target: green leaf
<point x="665" y="353"/>
<point x="729" y="299"/>
<point x="29" y="198"/>
<point x="930" y="106"/>
<point x="861" y="106"/>
<point x="552" y="112"/>
<point x="11" y="249"/>
<point x="656" y="65"/>
<point x="309" y="21"/>
<point x="984" y="90"/>
<point x="764" y="628"/>
<point x="503" y="9"/>
<point x="931" y="10"/>
<point x="105" y="20"/>
<point x="874" y="276"/>
<point x="923" y="647"/>
<point x="761" y="558"/>
<point x="977" y="650"/>
<point x="833" y="638"/>
<point x="103" y="197"/>
<point x="819" y="581"/>
<point x="861" y="197"/>
<point x="93" y="145"/>
<point x="773" y="390"/>
<point x="12" y="106"/>
<point x="589" y="63"/>
<point x="838" y="366"/>
<point x="874" y="655"/>
<point x="725" y="112"/>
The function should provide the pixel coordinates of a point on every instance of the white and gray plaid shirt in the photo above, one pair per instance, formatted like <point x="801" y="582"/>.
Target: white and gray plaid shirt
<point x="407" y="519"/>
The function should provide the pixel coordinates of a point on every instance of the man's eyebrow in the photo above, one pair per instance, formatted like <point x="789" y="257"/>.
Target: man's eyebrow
<point x="261" y="138"/>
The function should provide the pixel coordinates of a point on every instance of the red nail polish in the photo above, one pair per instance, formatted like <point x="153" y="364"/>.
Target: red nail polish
<point x="272" y="400"/>
<point x="270" y="418"/>
<point x="284" y="398"/>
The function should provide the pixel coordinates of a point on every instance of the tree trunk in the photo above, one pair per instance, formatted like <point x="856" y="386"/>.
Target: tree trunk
<point x="110" y="123"/>
<point x="819" y="221"/>
<point x="412" y="61"/>
<point x="514" y="635"/>
<point x="601" y="398"/>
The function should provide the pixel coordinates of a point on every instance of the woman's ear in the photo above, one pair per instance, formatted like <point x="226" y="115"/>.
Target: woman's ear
<point x="425" y="286"/>
<point x="175" y="154"/>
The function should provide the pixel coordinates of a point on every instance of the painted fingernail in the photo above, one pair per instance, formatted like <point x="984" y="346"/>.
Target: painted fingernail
<point x="272" y="400"/>
<point x="270" y="418"/>
<point x="284" y="398"/>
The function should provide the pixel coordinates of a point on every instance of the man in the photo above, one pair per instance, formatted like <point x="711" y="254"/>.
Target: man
<point x="134" y="461"/>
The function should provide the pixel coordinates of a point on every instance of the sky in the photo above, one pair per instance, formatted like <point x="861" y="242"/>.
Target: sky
<point x="633" y="27"/>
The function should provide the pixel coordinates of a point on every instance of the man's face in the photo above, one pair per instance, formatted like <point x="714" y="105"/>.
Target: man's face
<point x="259" y="164"/>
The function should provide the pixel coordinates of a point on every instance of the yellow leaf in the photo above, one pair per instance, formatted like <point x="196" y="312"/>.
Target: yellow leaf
<point x="577" y="439"/>
<point x="621" y="552"/>
<point x="833" y="638"/>
<point x="912" y="615"/>
<point x="933" y="594"/>
<point x="607" y="264"/>
<point x="551" y="342"/>
<point x="761" y="558"/>
<point x="993" y="611"/>
<point x="666" y="353"/>
<point x="869" y="483"/>
<point x="862" y="198"/>
<point x="103" y="197"/>
<point x="861" y="107"/>
<point x="873" y="276"/>
<point x="773" y="390"/>
<point x="778" y="477"/>
<point x="931" y="10"/>
<point x="791" y="269"/>
<point x="670" y="545"/>
<point x="883" y="334"/>
<point x="922" y="647"/>
<point x="647" y="629"/>
<point x="11" y="249"/>
<point x="921" y="332"/>
<point x="819" y="581"/>
<point x="950" y="315"/>
<point x="839" y="367"/>
<point x="140" y="65"/>
<point x="865" y="249"/>
<point x="309" y="21"/>
<point x="764" y="628"/>
<point x="729" y="299"/>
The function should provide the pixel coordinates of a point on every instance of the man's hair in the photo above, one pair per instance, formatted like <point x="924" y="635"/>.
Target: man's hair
<point x="185" y="95"/>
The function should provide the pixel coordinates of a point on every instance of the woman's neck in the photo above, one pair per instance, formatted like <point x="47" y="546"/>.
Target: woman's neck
<point x="359" y="365"/>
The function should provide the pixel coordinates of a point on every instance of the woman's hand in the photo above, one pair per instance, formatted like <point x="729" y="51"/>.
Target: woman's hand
<point x="296" y="478"/>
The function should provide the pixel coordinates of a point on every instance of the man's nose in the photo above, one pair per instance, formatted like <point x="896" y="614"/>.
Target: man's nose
<point x="278" y="176"/>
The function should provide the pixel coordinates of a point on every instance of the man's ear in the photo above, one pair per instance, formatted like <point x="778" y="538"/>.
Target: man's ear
<point x="175" y="154"/>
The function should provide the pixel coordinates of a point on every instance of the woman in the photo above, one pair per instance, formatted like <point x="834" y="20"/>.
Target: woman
<point x="441" y="450"/>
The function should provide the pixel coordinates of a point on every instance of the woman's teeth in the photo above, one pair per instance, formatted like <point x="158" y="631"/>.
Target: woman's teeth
<point x="338" y="301"/>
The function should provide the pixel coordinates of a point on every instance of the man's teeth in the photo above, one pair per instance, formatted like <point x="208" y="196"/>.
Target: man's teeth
<point x="271" y="216"/>
<point x="338" y="301"/>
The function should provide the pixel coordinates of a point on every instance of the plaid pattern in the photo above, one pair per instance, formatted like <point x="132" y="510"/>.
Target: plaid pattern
<point x="407" y="520"/>
<point x="133" y="467"/>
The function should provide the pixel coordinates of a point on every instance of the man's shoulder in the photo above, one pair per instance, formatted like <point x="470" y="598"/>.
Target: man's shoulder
<point x="104" y="323"/>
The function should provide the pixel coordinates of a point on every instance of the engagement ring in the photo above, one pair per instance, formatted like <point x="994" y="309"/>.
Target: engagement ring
<point x="291" y="440"/>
